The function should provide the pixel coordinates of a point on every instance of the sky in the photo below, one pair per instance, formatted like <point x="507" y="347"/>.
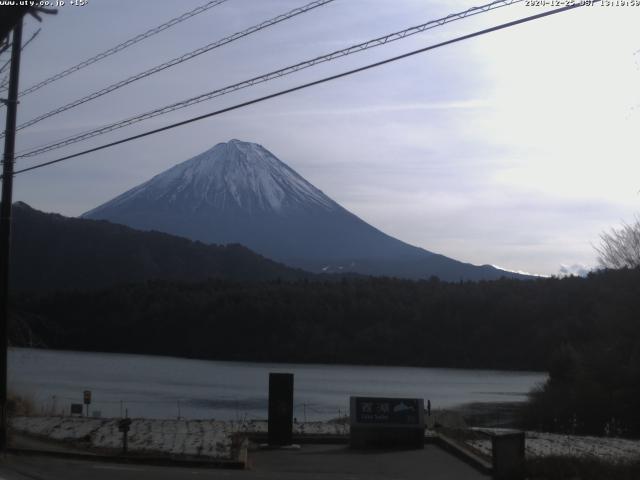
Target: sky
<point x="516" y="149"/>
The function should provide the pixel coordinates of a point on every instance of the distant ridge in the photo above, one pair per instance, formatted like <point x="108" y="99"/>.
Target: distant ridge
<point x="239" y="192"/>
<point x="52" y="252"/>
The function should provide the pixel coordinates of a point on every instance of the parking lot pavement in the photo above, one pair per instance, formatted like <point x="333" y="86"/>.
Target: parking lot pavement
<point x="311" y="462"/>
<point x="338" y="461"/>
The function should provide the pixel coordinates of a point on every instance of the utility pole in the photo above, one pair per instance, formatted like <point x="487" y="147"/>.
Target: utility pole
<point x="5" y="221"/>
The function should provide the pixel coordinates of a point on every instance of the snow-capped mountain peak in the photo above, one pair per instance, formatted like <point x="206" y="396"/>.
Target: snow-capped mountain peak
<point x="235" y="175"/>
<point x="239" y="192"/>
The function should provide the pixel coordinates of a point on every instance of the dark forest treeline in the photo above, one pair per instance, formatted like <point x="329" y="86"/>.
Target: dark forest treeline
<point x="505" y="324"/>
<point x="585" y="332"/>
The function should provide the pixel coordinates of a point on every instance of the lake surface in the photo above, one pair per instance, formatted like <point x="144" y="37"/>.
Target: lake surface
<point x="167" y="387"/>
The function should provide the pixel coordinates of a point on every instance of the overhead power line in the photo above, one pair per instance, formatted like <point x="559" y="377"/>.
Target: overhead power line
<point x="306" y="85"/>
<point x="33" y="36"/>
<point x="123" y="45"/>
<point x="178" y="60"/>
<point x="270" y="76"/>
<point x="5" y="81"/>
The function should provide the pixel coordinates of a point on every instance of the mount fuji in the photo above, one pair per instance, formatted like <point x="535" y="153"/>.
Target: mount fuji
<point x="239" y="192"/>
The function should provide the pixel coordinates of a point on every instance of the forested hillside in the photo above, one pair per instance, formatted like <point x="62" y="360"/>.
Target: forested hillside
<point x="499" y="324"/>
<point x="53" y="252"/>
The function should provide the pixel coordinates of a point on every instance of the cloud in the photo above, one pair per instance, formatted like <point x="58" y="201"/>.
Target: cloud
<point x="576" y="269"/>
<point x="385" y="108"/>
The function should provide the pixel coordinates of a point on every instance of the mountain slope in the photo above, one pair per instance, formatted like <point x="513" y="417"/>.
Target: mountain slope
<point x="239" y="192"/>
<point x="50" y="252"/>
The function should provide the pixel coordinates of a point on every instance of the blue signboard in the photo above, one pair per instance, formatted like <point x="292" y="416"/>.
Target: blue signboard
<point x="403" y="411"/>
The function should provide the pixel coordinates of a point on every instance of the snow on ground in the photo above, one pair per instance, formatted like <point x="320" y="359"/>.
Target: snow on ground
<point x="214" y="439"/>
<point x="209" y="438"/>
<point x="539" y="444"/>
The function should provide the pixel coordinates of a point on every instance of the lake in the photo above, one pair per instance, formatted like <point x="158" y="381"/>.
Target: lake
<point x="167" y="387"/>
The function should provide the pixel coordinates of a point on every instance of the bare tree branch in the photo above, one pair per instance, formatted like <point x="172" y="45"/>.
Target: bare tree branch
<point x="620" y="248"/>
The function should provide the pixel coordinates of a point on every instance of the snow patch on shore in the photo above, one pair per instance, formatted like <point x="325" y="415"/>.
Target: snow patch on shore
<point x="215" y="439"/>
<point x="208" y="438"/>
<point x="538" y="444"/>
